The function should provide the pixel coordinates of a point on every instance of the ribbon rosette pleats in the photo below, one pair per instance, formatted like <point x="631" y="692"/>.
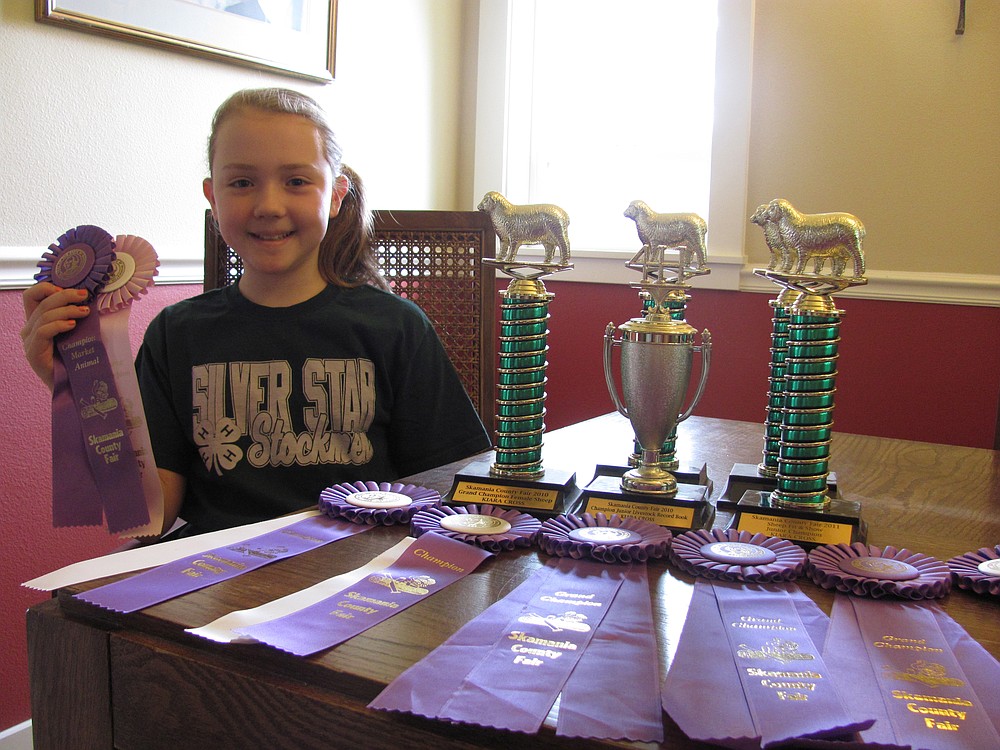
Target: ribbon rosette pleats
<point x="81" y="258"/>
<point x="492" y="528"/>
<point x="867" y="570"/>
<point x="977" y="571"/>
<point x="131" y="273"/>
<point x="611" y="539"/>
<point x="374" y="503"/>
<point x="731" y="555"/>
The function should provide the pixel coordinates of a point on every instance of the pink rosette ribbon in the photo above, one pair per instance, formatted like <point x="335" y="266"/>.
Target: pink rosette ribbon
<point x="132" y="273"/>
<point x="867" y="570"/>
<point x="731" y="555"/>
<point x="609" y="540"/>
<point x="977" y="571"/>
<point x="130" y="276"/>
<point x="492" y="528"/>
<point x="95" y="471"/>
<point x="374" y="503"/>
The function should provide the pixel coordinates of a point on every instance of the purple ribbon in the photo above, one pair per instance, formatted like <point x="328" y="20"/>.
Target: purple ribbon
<point x="505" y="668"/>
<point x="93" y="463"/>
<point x="207" y="568"/>
<point x="928" y="682"/>
<point x="427" y="566"/>
<point x="76" y="498"/>
<point x="614" y="691"/>
<point x="769" y="660"/>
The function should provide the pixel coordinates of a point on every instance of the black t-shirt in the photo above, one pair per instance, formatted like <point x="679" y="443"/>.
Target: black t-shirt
<point x="261" y="408"/>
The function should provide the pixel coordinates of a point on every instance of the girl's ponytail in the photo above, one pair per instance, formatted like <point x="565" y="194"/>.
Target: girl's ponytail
<point x="346" y="255"/>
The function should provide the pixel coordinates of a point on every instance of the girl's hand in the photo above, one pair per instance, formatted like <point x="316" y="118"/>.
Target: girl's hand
<point x="48" y="311"/>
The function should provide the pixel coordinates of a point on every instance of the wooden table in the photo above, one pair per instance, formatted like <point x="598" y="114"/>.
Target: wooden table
<point x="101" y="680"/>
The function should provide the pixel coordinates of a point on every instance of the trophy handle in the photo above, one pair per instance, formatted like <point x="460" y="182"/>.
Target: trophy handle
<point x="706" y="361"/>
<point x="609" y="341"/>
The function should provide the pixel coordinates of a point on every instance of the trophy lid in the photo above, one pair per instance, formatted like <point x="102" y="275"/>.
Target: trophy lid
<point x="662" y="326"/>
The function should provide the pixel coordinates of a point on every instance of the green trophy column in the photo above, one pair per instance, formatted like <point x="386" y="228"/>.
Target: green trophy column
<point x="807" y="415"/>
<point x="524" y="315"/>
<point x="776" y="393"/>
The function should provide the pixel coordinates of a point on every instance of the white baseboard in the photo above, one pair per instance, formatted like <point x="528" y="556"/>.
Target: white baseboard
<point x="17" y="737"/>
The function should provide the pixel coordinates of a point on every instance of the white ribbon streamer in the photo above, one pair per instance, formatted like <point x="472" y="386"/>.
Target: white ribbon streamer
<point x="152" y="555"/>
<point x="222" y="630"/>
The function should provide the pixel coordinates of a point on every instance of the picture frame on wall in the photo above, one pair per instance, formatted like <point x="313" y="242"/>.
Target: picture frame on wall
<point x="293" y="37"/>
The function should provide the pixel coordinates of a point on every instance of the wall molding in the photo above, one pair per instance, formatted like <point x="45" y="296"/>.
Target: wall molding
<point x="18" y="265"/>
<point x="17" y="737"/>
<point x="978" y="290"/>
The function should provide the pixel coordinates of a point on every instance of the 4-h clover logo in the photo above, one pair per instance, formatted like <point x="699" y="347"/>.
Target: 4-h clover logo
<point x="217" y="444"/>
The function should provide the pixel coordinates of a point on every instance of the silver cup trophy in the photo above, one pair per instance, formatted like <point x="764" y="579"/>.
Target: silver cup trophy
<point x="657" y="352"/>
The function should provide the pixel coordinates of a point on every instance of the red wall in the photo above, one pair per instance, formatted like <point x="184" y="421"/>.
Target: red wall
<point x="906" y="370"/>
<point x="30" y="546"/>
<point x="915" y="371"/>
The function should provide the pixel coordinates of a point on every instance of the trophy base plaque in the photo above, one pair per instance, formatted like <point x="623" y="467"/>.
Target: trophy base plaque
<point x="688" y="509"/>
<point x="839" y="522"/>
<point x="745" y="478"/>
<point x="548" y="496"/>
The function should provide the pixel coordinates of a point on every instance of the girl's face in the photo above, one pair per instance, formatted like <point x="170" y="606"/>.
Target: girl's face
<point x="272" y="193"/>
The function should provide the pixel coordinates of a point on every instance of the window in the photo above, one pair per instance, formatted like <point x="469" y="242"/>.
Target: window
<point x="590" y="105"/>
<point x="611" y="102"/>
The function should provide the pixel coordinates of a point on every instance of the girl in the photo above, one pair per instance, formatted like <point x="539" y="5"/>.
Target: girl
<point x="307" y="373"/>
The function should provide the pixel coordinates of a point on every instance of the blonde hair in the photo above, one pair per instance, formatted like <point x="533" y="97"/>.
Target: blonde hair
<point x="346" y="255"/>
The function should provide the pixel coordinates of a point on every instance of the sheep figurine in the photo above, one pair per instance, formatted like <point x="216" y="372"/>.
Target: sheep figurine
<point x="782" y="257"/>
<point x="537" y="224"/>
<point x="816" y="237"/>
<point x="669" y="230"/>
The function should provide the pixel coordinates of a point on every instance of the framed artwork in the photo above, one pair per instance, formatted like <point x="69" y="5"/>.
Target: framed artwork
<point x="295" y="37"/>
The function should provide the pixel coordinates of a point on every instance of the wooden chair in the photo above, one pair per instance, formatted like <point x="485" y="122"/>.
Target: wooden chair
<point x="432" y="258"/>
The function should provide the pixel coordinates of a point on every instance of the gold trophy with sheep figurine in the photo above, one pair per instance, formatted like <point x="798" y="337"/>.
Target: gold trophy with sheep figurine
<point x="657" y="354"/>
<point x="792" y="493"/>
<point x="516" y="477"/>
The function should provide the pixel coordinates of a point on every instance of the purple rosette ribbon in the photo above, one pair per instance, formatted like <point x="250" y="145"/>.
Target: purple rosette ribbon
<point x="731" y="555"/>
<point x="488" y="526"/>
<point x="611" y="539"/>
<point x="867" y="570"/>
<point x="912" y="666"/>
<point x="94" y="471"/>
<point x="80" y="259"/>
<point x="579" y="628"/>
<point x="376" y="503"/>
<point x="755" y="644"/>
<point x="977" y="571"/>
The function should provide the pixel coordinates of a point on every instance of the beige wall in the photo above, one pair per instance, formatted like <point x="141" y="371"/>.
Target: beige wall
<point x="112" y="133"/>
<point x="877" y="108"/>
